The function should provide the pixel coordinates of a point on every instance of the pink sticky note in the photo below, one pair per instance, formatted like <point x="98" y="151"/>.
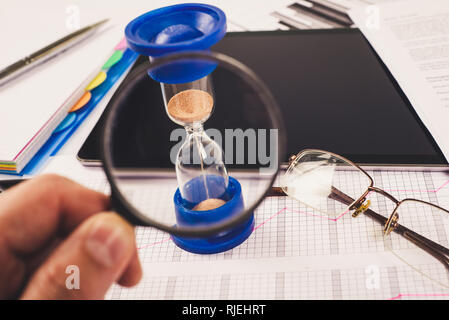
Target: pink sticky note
<point x="121" y="45"/>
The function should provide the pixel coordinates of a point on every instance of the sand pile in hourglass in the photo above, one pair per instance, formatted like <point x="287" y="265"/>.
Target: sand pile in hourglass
<point x="191" y="106"/>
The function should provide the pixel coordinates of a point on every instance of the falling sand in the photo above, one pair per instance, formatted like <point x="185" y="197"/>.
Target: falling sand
<point x="190" y="105"/>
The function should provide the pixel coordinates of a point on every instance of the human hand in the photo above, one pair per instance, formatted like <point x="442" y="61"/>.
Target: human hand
<point x="50" y="223"/>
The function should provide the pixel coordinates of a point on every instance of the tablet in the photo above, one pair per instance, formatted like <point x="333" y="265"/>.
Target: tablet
<point x="334" y="94"/>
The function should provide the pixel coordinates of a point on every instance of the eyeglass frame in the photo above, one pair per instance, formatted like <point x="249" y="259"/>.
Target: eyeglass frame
<point x="389" y="224"/>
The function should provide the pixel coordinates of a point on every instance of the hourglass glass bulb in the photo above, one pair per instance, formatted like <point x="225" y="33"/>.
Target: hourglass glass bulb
<point x="200" y="170"/>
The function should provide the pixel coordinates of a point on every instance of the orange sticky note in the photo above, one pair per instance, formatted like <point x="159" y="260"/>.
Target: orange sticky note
<point x="81" y="102"/>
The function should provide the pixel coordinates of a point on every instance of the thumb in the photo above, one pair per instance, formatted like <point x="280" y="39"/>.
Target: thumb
<point x="88" y="262"/>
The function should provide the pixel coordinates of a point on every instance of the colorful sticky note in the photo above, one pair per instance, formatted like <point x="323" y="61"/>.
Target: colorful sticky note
<point x="121" y="45"/>
<point x="116" y="56"/>
<point x="81" y="102"/>
<point x="96" y="81"/>
<point x="5" y="166"/>
<point x="66" y="123"/>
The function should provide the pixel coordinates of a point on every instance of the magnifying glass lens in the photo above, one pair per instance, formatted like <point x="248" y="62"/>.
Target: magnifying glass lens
<point x="196" y="157"/>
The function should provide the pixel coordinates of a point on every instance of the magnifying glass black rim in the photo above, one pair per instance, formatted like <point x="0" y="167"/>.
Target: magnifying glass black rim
<point x="121" y="204"/>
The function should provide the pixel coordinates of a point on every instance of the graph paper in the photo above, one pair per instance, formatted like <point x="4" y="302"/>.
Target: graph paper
<point x="293" y="252"/>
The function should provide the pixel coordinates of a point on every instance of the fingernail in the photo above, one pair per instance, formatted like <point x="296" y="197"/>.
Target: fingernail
<point x="106" y="244"/>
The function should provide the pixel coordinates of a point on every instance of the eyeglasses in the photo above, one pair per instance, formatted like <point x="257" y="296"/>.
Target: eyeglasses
<point x="334" y="186"/>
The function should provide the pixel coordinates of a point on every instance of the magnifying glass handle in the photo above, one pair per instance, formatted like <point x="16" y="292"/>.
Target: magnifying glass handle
<point x="6" y="184"/>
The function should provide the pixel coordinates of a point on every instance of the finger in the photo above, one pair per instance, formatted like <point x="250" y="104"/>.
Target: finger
<point x="12" y="273"/>
<point x="102" y="249"/>
<point x="32" y="212"/>
<point x="132" y="274"/>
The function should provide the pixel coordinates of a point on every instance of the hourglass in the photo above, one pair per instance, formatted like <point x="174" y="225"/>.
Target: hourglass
<point x="212" y="209"/>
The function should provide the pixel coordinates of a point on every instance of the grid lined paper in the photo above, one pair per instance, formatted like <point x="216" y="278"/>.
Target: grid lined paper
<point x="295" y="252"/>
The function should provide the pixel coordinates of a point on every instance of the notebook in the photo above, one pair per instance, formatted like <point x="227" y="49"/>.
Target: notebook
<point x="29" y="115"/>
<point x="34" y="104"/>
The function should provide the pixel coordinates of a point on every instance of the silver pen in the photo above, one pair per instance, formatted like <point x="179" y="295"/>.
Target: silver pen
<point x="16" y="69"/>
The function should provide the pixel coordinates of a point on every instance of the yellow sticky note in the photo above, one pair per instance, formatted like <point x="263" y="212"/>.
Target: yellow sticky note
<point x="96" y="81"/>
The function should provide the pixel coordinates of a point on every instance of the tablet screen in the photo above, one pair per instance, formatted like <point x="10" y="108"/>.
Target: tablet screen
<point x="333" y="91"/>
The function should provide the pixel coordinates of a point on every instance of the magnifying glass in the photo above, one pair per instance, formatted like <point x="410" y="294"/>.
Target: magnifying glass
<point x="241" y="136"/>
<point x="207" y="146"/>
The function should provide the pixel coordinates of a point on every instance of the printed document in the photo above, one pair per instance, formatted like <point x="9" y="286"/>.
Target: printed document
<point x="412" y="39"/>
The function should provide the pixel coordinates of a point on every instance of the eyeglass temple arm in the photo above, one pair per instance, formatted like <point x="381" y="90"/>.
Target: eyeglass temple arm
<point x="429" y="246"/>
